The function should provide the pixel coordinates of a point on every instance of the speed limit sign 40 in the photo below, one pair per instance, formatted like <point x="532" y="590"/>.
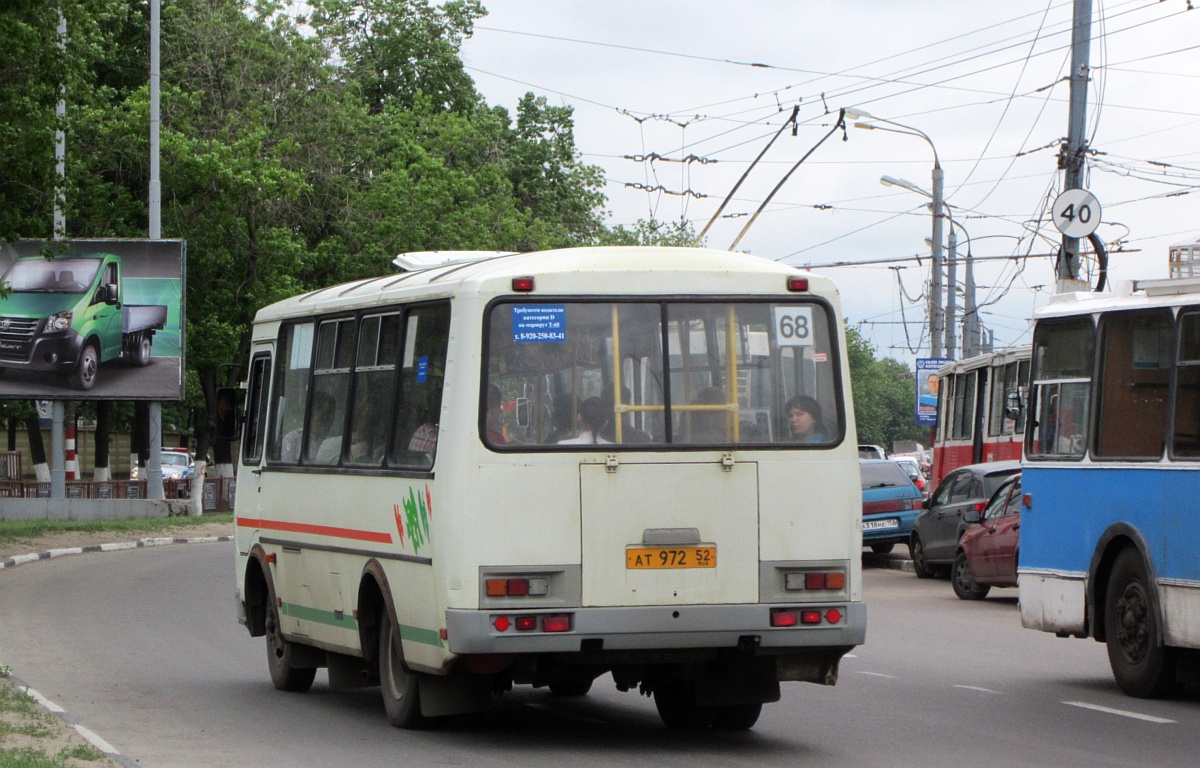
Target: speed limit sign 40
<point x="1076" y="213"/>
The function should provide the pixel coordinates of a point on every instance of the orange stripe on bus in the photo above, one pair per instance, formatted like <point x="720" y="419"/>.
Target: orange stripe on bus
<point x="318" y="530"/>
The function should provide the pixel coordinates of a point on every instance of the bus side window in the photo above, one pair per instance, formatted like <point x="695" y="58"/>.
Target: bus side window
<point x="1186" y="437"/>
<point x="291" y="393"/>
<point x="374" y="386"/>
<point x="256" y="410"/>
<point x="422" y="373"/>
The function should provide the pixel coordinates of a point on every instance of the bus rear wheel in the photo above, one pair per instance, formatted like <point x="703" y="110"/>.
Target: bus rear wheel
<point x="1142" y="666"/>
<point x="736" y="717"/>
<point x="676" y="704"/>
<point x="284" y="676"/>
<point x="401" y="697"/>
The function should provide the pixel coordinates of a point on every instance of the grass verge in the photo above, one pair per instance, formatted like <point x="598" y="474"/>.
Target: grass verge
<point x="21" y="530"/>
<point x="31" y="737"/>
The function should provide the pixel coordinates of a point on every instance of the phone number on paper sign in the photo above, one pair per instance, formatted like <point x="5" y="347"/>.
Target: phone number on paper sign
<point x="540" y="336"/>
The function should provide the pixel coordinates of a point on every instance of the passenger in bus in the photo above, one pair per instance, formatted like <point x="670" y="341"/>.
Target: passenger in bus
<point x="629" y="433"/>
<point x="424" y="437"/>
<point x="592" y="418"/>
<point x="367" y="439"/>
<point x="804" y="419"/>
<point x="326" y="432"/>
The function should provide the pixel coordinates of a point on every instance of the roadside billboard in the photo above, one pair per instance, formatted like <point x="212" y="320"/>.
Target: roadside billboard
<point x="927" y="389"/>
<point x="92" y="320"/>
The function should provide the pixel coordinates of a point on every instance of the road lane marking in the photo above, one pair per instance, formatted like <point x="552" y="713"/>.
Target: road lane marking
<point x="976" y="688"/>
<point x="1121" y="712"/>
<point x="877" y="674"/>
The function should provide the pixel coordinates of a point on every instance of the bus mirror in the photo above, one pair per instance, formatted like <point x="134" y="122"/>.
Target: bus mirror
<point x="227" y="425"/>
<point x="1012" y="405"/>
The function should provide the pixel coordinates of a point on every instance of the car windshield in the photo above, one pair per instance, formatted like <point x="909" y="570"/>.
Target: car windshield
<point x="884" y="474"/>
<point x="176" y="459"/>
<point x="52" y="275"/>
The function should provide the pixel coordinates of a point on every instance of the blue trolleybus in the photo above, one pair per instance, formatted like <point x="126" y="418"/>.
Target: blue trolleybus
<point x="1110" y="539"/>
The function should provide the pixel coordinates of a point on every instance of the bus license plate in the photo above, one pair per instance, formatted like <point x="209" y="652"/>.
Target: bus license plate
<point x="643" y="558"/>
<point x="880" y="525"/>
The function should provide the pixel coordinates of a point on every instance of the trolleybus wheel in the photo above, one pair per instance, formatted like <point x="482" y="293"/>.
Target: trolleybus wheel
<point x="1142" y="667"/>
<point x="401" y="699"/>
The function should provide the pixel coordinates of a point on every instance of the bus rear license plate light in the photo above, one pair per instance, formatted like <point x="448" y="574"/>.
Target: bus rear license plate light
<point x="556" y="623"/>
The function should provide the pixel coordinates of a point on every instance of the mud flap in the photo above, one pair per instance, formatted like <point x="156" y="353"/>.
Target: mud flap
<point x="456" y="694"/>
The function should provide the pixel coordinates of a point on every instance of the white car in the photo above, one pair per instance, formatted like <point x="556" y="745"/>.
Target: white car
<point x="177" y="464"/>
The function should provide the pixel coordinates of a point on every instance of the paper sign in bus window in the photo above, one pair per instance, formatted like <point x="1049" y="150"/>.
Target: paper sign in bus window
<point x="539" y="322"/>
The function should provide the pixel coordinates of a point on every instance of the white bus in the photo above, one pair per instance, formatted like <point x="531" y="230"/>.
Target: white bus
<point x="542" y="468"/>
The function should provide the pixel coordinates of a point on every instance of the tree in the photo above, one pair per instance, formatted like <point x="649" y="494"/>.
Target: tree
<point x="884" y="395"/>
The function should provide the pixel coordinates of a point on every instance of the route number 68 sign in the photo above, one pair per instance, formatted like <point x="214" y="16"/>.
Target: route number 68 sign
<point x="793" y="326"/>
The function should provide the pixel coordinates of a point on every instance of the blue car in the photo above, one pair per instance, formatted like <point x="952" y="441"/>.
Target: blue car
<point x="891" y="504"/>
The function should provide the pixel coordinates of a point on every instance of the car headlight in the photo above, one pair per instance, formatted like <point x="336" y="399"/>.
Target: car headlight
<point x="60" y="321"/>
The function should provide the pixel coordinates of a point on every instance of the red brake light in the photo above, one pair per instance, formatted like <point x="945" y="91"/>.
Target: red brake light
<point x="522" y="284"/>
<point x="526" y="623"/>
<point x="797" y="284"/>
<point x="784" y="617"/>
<point x="810" y="617"/>
<point x="501" y="623"/>
<point x="814" y="581"/>
<point x="557" y="623"/>
<point x="979" y="505"/>
<point x="833" y="616"/>
<point x="518" y="587"/>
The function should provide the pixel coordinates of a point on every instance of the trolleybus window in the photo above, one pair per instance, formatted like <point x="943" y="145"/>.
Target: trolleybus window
<point x="1062" y="382"/>
<point x="730" y="371"/>
<point x="1186" y="439"/>
<point x="1135" y="371"/>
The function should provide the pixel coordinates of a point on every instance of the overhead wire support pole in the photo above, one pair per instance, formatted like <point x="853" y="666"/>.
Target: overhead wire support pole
<point x="790" y="121"/>
<point x="841" y="123"/>
<point x="1072" y="156"/>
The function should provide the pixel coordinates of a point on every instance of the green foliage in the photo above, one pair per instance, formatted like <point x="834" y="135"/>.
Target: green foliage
<point x="884" y="395"/>
<point x="17" y="530"/>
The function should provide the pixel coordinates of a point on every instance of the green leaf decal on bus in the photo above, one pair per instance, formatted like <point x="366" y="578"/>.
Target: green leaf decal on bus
<point x="416" y="517"/>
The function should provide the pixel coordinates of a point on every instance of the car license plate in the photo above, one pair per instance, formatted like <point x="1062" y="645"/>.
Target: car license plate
<point x="880" y="525"/>
<point x="644" y="558"/>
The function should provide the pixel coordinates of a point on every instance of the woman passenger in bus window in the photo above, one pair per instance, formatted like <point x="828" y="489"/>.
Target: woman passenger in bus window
<point x="593" y="416"/>
<point x="495" y="429"/>
<point x="804" y="419"/>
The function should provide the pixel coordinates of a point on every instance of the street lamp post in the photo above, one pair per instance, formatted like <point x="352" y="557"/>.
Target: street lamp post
<point x="970" y="323"/>
<point x="935" y="282"/>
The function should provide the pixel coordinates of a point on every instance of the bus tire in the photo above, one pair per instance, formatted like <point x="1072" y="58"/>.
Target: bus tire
<point x="83" y="376"/>
<point x="571" y="687"/>
<point x="1141" y="666"/>
<point x="401" y="695"/>
<point x="916" y="551"/>
<point x="284" y="676"/>
<point x="963" y="582"/>
<point x="736" y="717"/>
<point x="675" y="701"/>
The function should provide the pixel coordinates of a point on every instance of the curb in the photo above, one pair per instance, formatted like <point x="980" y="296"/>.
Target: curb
<point x="13" y="562"/>
<point x="88" y="735"/>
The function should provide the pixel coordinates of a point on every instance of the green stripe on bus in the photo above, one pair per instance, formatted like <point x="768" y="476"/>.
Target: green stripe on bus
<point x="317" y="616"/>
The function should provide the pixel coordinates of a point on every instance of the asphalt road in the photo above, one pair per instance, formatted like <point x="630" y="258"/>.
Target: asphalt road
<point x="142" y="647"/>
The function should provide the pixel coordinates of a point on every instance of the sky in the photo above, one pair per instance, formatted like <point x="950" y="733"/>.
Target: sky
<point x="674" y="100"/>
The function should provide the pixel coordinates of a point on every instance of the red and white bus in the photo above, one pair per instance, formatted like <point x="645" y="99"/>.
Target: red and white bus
<point x="981" y="410"/>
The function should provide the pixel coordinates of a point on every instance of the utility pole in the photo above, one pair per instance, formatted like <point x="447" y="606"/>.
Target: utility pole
<point x="936" y="318"/>
<point x="154" y="484"/>
<point x="952" y="293"/>
<point x="1072" y="155"/>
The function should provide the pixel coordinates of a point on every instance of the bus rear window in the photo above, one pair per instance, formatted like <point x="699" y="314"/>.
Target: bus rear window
<point x="570" y="374"/>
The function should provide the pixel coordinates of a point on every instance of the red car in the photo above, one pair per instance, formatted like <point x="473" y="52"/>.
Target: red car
<point x="987" y="552"/>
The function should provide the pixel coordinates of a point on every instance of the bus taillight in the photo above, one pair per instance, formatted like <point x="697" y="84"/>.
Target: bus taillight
<point x="797" y="284"/>
<point x="516" y="587"/>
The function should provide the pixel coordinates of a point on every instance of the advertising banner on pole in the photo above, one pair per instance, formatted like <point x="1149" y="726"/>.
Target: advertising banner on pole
<point x="927" y="389"/>
<point x="92" y="320"/>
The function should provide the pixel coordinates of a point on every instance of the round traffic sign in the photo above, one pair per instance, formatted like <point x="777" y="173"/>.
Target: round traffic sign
<point x="1076" y="213"/>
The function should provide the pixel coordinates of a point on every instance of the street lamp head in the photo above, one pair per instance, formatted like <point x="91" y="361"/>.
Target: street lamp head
<point x="854" y="113"/>
<point x="866" y="126"/>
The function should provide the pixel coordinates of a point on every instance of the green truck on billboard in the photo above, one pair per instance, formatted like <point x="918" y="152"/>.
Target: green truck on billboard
<point x="68" y="315"/>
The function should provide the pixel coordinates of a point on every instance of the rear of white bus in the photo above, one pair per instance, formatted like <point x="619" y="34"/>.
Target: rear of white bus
<point x="699" y="539"/>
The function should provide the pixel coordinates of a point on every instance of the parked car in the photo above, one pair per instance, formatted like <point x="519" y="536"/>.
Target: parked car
<point x="912" y="468"/>
<point x="890" y="504"/>
<point x="177" y="464"/>
<point x="987" y="554"/>
<point x="940" y="526"/>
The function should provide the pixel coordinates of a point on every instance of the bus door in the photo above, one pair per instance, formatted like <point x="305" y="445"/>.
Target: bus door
<point x="254" y="433"/>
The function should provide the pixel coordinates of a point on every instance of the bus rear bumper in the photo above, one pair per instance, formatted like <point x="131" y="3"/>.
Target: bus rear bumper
<point x="653" y="628"/>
